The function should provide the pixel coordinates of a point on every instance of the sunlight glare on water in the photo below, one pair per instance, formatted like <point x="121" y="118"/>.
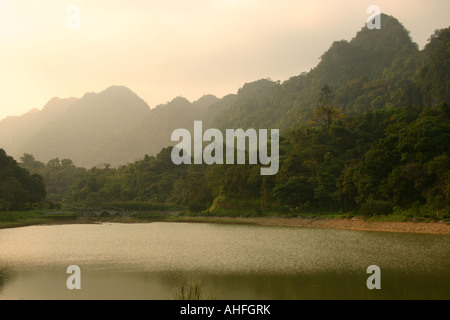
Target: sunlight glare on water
<point x="230" y="251"/>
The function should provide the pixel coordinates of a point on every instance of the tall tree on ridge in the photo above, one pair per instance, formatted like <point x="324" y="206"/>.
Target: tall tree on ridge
<point x="326" y="112"/>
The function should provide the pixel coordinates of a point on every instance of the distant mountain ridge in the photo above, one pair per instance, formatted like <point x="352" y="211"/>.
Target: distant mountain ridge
<point x="15" y="131"/>
<point x="112" y="127"/>
<point x="376" y="69"/>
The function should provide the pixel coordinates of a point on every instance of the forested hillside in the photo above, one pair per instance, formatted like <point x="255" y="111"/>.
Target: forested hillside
<point x="367" y="130"/>
<point x="383" y="159"/>
<point x="375" y="70"/>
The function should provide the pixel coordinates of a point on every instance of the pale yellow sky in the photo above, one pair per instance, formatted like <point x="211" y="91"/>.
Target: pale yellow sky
<point x="163" y="49"/>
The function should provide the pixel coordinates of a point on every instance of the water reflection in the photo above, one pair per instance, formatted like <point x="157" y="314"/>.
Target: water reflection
<point x="148" y="261"/>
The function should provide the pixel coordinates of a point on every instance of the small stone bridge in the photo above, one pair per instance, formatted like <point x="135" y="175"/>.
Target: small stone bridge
<point x="106" y="212"/>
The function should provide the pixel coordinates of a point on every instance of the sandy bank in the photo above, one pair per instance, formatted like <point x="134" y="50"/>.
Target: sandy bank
<point x="354" y="224"/>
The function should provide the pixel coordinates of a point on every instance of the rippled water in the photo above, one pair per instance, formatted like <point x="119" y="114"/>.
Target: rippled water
<point x="148" y="261"/>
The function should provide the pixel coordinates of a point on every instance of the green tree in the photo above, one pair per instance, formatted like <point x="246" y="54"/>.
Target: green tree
<point x="326" y="112"/>
<point x="18" y="188"/>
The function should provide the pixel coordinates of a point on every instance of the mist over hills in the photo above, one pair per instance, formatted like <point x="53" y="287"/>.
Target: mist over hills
<point x="112" y="127"/>
<point x="359" y="71"/>
<point x="17" y="130"/>
<point x="377" y="69"/>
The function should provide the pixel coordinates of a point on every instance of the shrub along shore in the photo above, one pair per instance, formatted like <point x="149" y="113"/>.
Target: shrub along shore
<point x="390" y="223"/>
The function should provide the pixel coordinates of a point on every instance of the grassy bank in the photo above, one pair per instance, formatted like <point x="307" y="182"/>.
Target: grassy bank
<point x="389" y="223"/>
<point x="28" y="218"/>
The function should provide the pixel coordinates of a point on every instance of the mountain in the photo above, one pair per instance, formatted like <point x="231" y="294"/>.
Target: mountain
<point x="15" y="131"/>
<point x="154" y="132"/>
<point x="377" y="69"/>
<point x="348" y="67"/>
<point x="87" y="132"/>
<point x="112" y="127"/>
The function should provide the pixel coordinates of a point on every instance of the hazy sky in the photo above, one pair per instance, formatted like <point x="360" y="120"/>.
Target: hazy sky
<point x="166" y="48"/>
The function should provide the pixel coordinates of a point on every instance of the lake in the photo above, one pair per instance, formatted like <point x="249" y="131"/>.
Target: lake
<point x="150" y="261"/>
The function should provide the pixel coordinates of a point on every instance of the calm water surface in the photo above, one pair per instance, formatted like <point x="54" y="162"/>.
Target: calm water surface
<point x="149" y="261"/>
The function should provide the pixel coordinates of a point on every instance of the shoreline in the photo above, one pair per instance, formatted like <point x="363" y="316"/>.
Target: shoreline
<point x="340" y="224"/>
<point x="356" y="224"/>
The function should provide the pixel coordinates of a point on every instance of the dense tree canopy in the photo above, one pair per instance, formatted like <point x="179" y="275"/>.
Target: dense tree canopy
<point x="394" y="157"/>
<point x="18" y="188"/>
<point x="380" y="140"/>
<point x="60" y="176"/>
